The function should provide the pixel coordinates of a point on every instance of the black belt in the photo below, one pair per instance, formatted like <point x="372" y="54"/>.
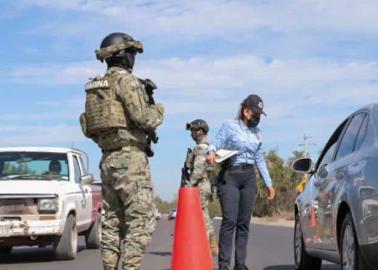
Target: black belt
<point x="242" y="166"/>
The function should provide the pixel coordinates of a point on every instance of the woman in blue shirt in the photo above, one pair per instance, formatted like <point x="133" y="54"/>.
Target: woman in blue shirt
<point x="237" y="190"/>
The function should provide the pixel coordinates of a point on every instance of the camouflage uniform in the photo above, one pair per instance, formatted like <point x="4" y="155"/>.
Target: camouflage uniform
<point x="199" y="177"/>
<point x="127" y="189"/>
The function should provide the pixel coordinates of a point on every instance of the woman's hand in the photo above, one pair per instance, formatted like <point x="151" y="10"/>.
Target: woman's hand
<point x="271" y="193"/>
<point x="211" y="157"/>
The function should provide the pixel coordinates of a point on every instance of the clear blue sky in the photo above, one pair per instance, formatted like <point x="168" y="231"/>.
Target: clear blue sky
<point x="313" y="62"/>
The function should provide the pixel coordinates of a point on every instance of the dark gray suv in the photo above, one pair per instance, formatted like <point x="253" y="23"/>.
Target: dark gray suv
<point x="336" y="216"/>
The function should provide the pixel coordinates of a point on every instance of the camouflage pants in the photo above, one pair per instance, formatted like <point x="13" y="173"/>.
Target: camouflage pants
<point x="129" y="218"/>
<point x="205" y="193"/>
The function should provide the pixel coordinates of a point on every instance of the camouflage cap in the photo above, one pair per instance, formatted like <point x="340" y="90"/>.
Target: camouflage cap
<point x="109" y="51"/>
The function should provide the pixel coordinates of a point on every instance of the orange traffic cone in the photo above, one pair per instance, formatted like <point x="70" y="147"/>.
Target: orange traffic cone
<point x="191" y="249"/>
<point x="312" y="218"/>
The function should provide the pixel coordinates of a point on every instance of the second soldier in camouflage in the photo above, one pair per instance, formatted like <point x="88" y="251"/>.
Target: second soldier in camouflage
<point x="199" y="172"/>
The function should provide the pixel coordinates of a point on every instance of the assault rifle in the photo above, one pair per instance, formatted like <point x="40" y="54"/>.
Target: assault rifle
<point x="185" y="175"/>
<point x="152" y="137"/>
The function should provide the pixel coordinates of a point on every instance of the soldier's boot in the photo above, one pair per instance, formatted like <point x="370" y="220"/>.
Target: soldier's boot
<point x="213" y="245"/>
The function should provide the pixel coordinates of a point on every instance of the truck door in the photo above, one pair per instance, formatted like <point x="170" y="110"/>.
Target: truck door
<point x="84" y="205"/>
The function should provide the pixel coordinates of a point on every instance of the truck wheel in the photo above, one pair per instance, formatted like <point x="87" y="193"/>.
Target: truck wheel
<point x="303" y="261"/>
<point x="93" y="235"/>
<point x="350" y="250"/>
<point x="6" y="250"/>
<point x="66" y="245"/>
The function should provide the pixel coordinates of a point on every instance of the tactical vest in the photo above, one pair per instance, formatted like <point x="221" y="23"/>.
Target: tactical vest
<point x="103" y="110"/>
<point x="190" y="158"/>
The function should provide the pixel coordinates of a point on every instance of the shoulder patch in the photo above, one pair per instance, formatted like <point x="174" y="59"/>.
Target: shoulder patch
<point x="97" y="84"/>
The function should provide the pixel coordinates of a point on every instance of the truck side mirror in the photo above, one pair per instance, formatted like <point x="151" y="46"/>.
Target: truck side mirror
<point x="303" y="165"/>
<point x="87" y="179"/>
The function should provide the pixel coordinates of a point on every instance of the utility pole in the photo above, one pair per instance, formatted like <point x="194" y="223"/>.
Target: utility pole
<point x="306" y="144"/>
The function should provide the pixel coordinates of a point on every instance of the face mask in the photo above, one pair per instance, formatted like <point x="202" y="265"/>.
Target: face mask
<point x="254" y="121"/>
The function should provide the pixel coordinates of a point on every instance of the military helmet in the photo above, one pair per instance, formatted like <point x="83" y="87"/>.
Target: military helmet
<point x="116" y="45"/>
<point x="198" y="124"/>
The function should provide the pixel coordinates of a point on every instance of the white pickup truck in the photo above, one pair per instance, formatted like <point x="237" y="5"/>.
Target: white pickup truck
<point x="47" y="197"/>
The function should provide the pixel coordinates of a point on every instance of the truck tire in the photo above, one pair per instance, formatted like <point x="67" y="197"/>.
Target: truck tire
<point x="303" y="261"/>
<point x="6" y="250"/>
<point x="93" y="235"/>
<point x="65" y="246"/>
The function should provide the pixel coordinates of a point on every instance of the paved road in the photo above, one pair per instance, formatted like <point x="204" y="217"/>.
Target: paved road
<point x="270" y="248"/>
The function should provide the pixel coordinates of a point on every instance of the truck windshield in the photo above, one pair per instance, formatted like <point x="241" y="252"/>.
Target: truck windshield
<point x="33" y="166"/>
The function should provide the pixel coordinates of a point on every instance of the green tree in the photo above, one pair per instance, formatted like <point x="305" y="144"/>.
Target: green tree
<point x="21" y="168"/>
<point x="284" y="181"/>
<point x="164" y="206"/>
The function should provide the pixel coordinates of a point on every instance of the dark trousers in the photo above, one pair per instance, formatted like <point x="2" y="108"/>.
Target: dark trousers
<point x="237" y="195"/>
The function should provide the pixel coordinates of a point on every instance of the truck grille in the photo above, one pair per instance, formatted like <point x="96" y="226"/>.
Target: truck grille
<point x="18" y="207"/>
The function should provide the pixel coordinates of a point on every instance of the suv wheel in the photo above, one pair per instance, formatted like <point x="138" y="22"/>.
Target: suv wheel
<point x="66" y="245"/>
<point x="93" y="235"/>
<point x="303" y="261"/>
<point x="350" y="251"/>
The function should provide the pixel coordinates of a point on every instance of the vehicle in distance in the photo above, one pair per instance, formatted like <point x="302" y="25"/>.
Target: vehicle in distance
<point x="47" y="197"/>
<point x="157" y="215"/>
<point x="172" y="214"/>
<point x="336" y="215"/>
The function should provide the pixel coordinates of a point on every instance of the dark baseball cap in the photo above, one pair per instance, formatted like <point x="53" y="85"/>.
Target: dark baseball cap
<point x="255" y="103"/>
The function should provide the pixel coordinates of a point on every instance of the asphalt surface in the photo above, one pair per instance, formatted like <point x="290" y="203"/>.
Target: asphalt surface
<point x="270" y="248"/>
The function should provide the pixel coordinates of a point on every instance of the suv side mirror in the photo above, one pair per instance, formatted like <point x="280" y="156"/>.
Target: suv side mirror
<point x="87" y="179"/>
<point x="303" y="165"/>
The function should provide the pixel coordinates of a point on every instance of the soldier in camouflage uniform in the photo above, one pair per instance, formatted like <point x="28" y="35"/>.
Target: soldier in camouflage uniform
<point x="200" y="171"/>
<point x="117" y="117"/>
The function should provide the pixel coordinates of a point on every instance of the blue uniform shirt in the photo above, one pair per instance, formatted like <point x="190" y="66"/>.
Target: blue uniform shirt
<point x="235" y="135"/>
